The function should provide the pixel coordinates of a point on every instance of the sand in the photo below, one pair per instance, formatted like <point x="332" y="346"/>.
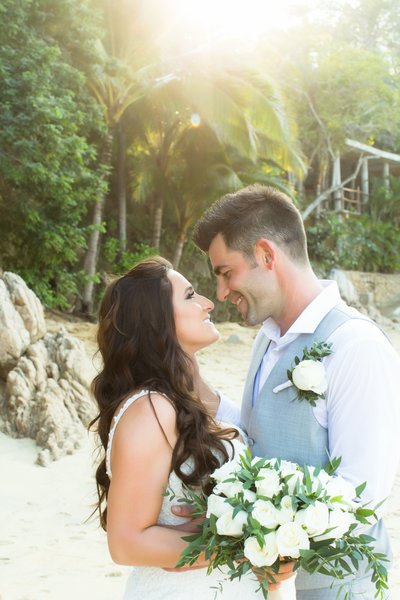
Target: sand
<point x="48" y="549"/>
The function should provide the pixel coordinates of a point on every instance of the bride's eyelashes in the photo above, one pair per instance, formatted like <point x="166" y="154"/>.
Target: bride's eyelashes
<point x="190" y="295"/>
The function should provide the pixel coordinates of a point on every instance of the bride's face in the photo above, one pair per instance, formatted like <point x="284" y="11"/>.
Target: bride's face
<point x="194" y="328"/>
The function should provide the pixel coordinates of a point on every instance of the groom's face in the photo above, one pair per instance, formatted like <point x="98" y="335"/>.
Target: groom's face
<point x="242" y="281"/>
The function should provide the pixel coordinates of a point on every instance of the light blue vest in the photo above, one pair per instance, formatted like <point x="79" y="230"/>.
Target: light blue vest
<point x="279" y="425"/>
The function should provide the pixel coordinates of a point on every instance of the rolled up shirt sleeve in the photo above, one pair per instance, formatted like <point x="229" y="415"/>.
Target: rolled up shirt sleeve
<point x="228" y="411"/>
<point x="362" y="411"/>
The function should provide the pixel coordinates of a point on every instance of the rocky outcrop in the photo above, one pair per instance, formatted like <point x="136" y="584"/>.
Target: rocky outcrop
<point x="21" y="320"/>
<point x="346" y="287"/>
<point x="47" y="377"/>
<point x="375" y="294"/>
<point x="378" y="290"/>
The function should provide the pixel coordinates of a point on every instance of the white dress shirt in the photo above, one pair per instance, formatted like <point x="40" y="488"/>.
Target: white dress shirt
<point x="228" y="412"/>
<point x="362" y="406"/>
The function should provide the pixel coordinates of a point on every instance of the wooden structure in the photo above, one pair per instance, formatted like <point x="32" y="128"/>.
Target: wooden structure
<point x="375" y="164"/>
<point x="353" y="175"/>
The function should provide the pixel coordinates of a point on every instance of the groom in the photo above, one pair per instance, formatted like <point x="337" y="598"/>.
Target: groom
<point x="257" y="246"/>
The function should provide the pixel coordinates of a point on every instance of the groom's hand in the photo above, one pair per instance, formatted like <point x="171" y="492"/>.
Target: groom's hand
<point x="275" y="579"/>
<point x="184" y="511"/>
<point x="192" y="526"/>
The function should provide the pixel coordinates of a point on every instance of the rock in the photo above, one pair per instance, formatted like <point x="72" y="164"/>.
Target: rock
<point x="27" y="304"/>
<point x="14" y="337"/>
<point x="47" y="396"/>
<point x="391" y="307"/>
<point x="346" y="288"/>
<point x="379" y="294"/>
<point x="234" y="339"/>
<point x="21" y="320"/>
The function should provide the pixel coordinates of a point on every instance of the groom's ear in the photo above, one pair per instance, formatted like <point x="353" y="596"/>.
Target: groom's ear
<point x="265" y="253"/>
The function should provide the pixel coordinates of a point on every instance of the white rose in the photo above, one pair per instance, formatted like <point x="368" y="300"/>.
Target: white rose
<point x="290" y="539"/>
<point x="229" y="488"/>
<point x="229" y="525"/>
<point x="261" y="557"/>
<point x="227" y="470"/>
<point x="324" y="477"/>
<point x="337" y="486"/>
<point x="314" y="518"/>
<point x="265" y="513"/>
<point x="310" y="375"/>
<point x="285" y="512"/>
<point x="320" y="480"/>
<point x="249" y="495"/>
<point x="217" y="506"/>
<point x="340" y="520"/>
<point x="269" y="483"/>
<point x="288" y="467"/>
<point x="295" y="477"/>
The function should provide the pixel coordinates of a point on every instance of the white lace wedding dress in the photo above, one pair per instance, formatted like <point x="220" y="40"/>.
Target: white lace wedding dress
<point x="153" y="583"/>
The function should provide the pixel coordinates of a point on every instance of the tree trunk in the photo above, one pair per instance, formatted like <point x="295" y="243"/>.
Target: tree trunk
<point x="365" y="182"/>
<point x="178" y="250"/>
<point x="336" y="181"/>
<point x="122" y="188"/>
<point x="386" y="175"/>
<point x="321" y="184"/>
<point x="158" y="215"/>
<point x="90" y="262"/>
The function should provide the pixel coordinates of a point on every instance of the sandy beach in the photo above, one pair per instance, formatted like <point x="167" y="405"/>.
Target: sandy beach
<point x="48" y="549"/>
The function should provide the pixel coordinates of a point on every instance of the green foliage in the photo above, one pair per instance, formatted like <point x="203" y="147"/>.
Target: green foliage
<point x="384" y="202"/>
<point x="358" y="243"/>
<point x="370" y="246"/>
<point x="353" y="95"/>
<point x="118" y="262"/>
<point x="322" y="238"/>
<point x="47" y="163"/>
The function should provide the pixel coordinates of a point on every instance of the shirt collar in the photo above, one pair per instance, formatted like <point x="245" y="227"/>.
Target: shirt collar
<point x="310" y="318"/>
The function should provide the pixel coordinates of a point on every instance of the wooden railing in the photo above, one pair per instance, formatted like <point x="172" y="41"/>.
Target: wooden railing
<point x="351" y="200"/>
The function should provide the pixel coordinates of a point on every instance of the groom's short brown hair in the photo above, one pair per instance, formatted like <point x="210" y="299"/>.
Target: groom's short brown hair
<point x="250" y="214"/>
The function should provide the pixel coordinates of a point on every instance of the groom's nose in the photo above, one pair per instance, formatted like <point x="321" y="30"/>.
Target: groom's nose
<point x="223" y="290"/>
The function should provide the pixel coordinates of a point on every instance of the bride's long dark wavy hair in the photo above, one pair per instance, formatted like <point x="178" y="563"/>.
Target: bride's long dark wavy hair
<point x="137" y="341"/>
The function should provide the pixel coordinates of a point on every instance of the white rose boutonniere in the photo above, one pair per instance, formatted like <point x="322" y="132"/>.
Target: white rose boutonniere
<point x="308" y="374"/>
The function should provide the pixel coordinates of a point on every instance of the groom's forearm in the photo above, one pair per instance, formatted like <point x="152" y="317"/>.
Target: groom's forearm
<point x="363" y="413"/>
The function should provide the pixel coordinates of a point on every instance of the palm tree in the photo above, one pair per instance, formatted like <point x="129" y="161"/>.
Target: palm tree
<point x="243" y="111"/>
<point x="205" y="171"/>
<point x="128" y="71"/>
<point x="114" y="93"/>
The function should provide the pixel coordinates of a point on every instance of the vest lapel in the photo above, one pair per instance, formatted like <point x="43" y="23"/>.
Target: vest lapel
<point x="258" y="354"/>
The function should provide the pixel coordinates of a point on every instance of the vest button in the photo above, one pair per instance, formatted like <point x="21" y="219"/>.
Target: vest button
<point x="250" y="441"/>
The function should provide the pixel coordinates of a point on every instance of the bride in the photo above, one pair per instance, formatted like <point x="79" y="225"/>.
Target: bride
<point x="156" y="424"/>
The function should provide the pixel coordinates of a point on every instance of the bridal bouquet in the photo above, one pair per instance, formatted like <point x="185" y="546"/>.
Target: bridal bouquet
<point x="262" y="512"/>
